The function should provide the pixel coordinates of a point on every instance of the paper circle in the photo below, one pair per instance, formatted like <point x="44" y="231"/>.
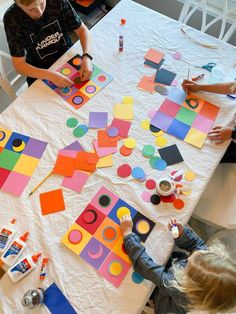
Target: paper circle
<point x="75" y="236"/>
<point x="101" y="78"/>
<point x="122" y="211"/>
<point x="130" y="142"/>
<point x="168" y="199"/>
<point x="154" y="129"/>
<point x="77" y="61"/>
<point x="161" y="164"/>
<point x="18" y="145"/>
<point x="115" y="268"/>
<point x="124" y="171"/>
<point x="148" y="150"/>
<point x="142" y="226"/>
<point x="72" y="122"/>
<point x="104" y="200"/>
<point x="80" y="131"/>
<point x="155" y="199"/>
<point x="150" y="184"/>
<point x="92" y="159"/>
<point x="146" y="196"/>
<point x="112" y="131"/>
<point x="145" y="124"/>
<point x="66" y="71"/>
<point x="187" y="193"/>
<point x="153" y="161"/>
<point x="77" y="100"/>
<point x="124" y="151"/>
<point x="178" y="203"/>
<point x="90" y="89"/>
<point x="138" y="173"/>
<point x="137" y="278"/>
<point x="189" y="175"/>
<point x="66" y="91"/>
<point x="161" y="141"/>
<point x="90" y="216"/>
<point x="109" y="234"/>
<point x="177" y="55"/>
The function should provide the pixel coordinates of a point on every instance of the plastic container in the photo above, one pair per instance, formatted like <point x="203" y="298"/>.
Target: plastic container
<point x="33" y="298"/>
<point x="165" y="187"/>
<point x="6" y="235"/>
<point x="23" y="268"/>
<point x="14" y="251"/>
<point x="175" y="231"/>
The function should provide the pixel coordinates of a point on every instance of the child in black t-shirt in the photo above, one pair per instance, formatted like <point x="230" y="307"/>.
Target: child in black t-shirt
<point x="38" y="34"/>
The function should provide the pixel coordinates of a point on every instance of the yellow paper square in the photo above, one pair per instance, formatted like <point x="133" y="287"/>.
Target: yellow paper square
<point x="105" y="161"/>
<point x="77" y="247"/>
<point x="128" y="100"/>
<point x="90" y="89"/>
<point x="4" y="136"/>
<point x="195" y="137"/>
<point x="124" y="111"/>
<point x="26" y="165"/>
<point x="119" y="250"/>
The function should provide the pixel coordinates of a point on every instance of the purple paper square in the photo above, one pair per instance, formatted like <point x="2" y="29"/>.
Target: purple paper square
<point x="169" y="107"/>
<point x="178" y="129"/>
<point x="98" y="120"/>
<point x="202" y="123"/>
<point x="95" y="253"/>
<point x="161" y="121"/>
<point x="35" y="148"/>
<point x="75" y="146"/>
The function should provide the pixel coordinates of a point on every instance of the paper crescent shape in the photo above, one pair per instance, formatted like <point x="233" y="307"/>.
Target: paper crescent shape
<point x="2" y="137"/>
<point x="88" y="219"/>
<point x="96" y="255"/>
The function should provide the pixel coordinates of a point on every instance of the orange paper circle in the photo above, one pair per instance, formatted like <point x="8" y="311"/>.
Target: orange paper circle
<point x="178" y="203"/>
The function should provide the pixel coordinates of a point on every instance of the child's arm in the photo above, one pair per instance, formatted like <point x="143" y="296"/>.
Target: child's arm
<point x="220" y="88"/>
<point x="27" y="69"/>
<point x="190" y="241"/>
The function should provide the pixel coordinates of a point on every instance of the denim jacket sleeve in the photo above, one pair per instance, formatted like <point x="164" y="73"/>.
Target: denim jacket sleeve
<point x="190" y="241"/>
<point x="146" y="267"/>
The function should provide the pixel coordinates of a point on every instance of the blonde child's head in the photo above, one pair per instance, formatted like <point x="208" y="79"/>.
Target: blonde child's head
<point x="208" y="280"/>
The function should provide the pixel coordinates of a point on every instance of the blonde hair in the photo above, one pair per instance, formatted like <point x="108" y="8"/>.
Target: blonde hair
<point x="208" y="280"/>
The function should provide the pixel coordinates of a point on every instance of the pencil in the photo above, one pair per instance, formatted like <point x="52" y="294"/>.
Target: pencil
<point x="37" y="186"/>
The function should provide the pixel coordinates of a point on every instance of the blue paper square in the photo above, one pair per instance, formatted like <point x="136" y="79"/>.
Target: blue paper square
<point x="121" y="203"/>
<point x="178" y="129"/>
<point x="164" y="76"/>
<point x="17" y="142"/>
<point x="176" y="95"/>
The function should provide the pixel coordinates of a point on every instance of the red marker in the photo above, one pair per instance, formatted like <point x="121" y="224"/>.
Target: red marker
<point x="197" y="77"/>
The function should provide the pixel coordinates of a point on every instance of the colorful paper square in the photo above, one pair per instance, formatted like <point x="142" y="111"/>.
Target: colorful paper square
<point x="114" y="269"/>
<point x="177" y="95"/>
<point x="186" y="115"/>
<point x="98" y="120"/>
<point x="76" y="238"/>
<point x="64" y="165"/>
<point x="124" y="111"/>
<point x="193" y="103"/>
<point x="76" y="182"/>
<point x="95" y="253"/>
<point x="75" y="146"/>
<point x="104" y="140"/>
<point x="17" y="142"/>
<point x="104" y="162"/>
<point x="102" y="79"/>
<point x="4" y="136"/>
<point x="154" y="55"/>
<point x="90" y="89"/>
<point x="195" y="137"/>
<point x="178" y="129"/>
<point x="161" y="120"/>
<point x="76" y="62"/>
<point x="52" y="202"/>
<point x="26" y="165"/>
<point x="170" y="154"/>
<point x="164" y="76"/>
<point x="202" y="124"/>
<point x="86" y="161"/>
<point x="108" y="233"/>
<point x="103" y="151"/>
<point x="146" y="84"/>
<point x="78" y="100"/>
<point x="35" y="148"/>
<point x="90" y="219"/>
<point x="122" y="125"/>
<point x="8" y="159"/>
<point x="120" y="209"/>
<point x="67" y="70"/>
<point x="209" y="110"/>
<point x="15" y="183"/>
<point x="142" y="226"/>
<point x="119" y="249"/>
<point x="4" y="173"/>
<point x="104" y="200"/>
<point x="66" y="92"/>
<point x="169" y="107"/>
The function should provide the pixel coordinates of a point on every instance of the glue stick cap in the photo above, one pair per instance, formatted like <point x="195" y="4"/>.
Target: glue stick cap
<point x="35" y="257"/>
<point x="24" y="237"/>
<point x="13" y="221"/>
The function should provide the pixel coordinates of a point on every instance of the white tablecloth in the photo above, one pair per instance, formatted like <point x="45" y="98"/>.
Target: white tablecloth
<point x="42" y="114"/>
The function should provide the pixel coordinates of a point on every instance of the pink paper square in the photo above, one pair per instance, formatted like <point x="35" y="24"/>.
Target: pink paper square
<point x="103" y="151"/>
<point x="15" y="183"/>
<point x="76" y="182"/>
<point x="202" y="123"/>
<point x="68" y="153"/>
<point x="104" y="269"/>
<point x="169" y="107"/>
<point x="122" y="125"/>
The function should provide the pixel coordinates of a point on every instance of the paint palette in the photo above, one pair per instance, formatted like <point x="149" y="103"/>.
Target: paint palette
<point x="96" y="237"/>
<point x="81" y="92"/>
<point x="19" y="157"/>
<point x="188" y="119"/>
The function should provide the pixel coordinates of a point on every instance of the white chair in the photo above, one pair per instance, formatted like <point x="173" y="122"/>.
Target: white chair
<point x="222" y="13"/>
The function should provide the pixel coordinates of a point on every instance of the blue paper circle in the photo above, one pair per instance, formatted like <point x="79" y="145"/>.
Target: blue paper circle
<point x="161" y="164"/>
<point x="137" y="278"/>
<point x="138" y="173"/>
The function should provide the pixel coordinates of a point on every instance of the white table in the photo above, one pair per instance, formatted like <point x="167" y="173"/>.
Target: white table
<point x="40" y="113"/>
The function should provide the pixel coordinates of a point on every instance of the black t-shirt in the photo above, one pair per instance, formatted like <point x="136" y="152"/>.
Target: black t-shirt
<point x="43" y="41"/>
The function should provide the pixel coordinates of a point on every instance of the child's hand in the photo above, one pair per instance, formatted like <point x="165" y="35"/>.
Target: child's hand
<point x="220" y="134"/>
<point x="59" y="80"/>
<point x="86" y="69"/>
<point x="126" y="225"/>
<point x="174" y="221"/>
<point x="190" y="86"/>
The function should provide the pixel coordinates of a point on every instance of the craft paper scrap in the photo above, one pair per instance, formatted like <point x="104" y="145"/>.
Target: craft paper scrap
<point x="64" y="165"/>
<point x="164" y="76"/>
<point x="103" y="151"/>
<point x="124" y="111"/>
<point x="171" y="154"/>
<point x="76" y="182"/>
<point x="86" y="161"/>
<point x="98" y="120"/>
<point x="146" y="85"/>
<point x="52" y="202"/>
<point x="154" y="55"/>
<point x="122" y="125"/>
<point x="105" y="162"/>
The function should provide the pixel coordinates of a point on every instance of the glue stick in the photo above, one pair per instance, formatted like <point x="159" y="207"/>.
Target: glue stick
<point x="121" y="43"/>
<point x="6" y="235"/>
<point x="23" y="268"/>
<point x="175" y="231"/>
<point x="43" y="269"/>
<point x="15" y="250"/>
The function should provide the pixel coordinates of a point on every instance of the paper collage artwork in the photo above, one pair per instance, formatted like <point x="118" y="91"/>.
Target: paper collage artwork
<point x="19" y="157"/>
<point x="188" y="119"/>
<point x="96" y="237"/>
<point x="81" y="92"/>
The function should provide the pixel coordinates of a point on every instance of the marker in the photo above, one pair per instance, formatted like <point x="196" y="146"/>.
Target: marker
<point x="121" y="43"/>
<point x="231" y="96"/>
<point x="198" y="77"/>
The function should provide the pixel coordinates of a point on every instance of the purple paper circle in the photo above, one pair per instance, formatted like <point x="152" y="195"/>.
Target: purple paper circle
<point x="112" y="131"/>
<point x="177" y="56"/>
<point x="90" y="89"/>
<point x="77" y="100"/>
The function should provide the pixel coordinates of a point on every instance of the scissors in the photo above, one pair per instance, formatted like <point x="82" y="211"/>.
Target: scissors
<point x="209" y="66"/>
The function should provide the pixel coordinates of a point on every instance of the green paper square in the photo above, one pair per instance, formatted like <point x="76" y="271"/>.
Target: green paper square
<point x="186" y="115"/>
<point x="8" y="159"/>
<point x="96" y="70"/>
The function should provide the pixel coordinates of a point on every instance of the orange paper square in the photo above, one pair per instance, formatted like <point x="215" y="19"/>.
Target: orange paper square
<point x="52" y="202"/>
<point x="104" y="140"/>
<point x="86" y="161"/>
<point x="154" y="55"/>
<point x="146" y="85"/>
<point x="64" y="166"/>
